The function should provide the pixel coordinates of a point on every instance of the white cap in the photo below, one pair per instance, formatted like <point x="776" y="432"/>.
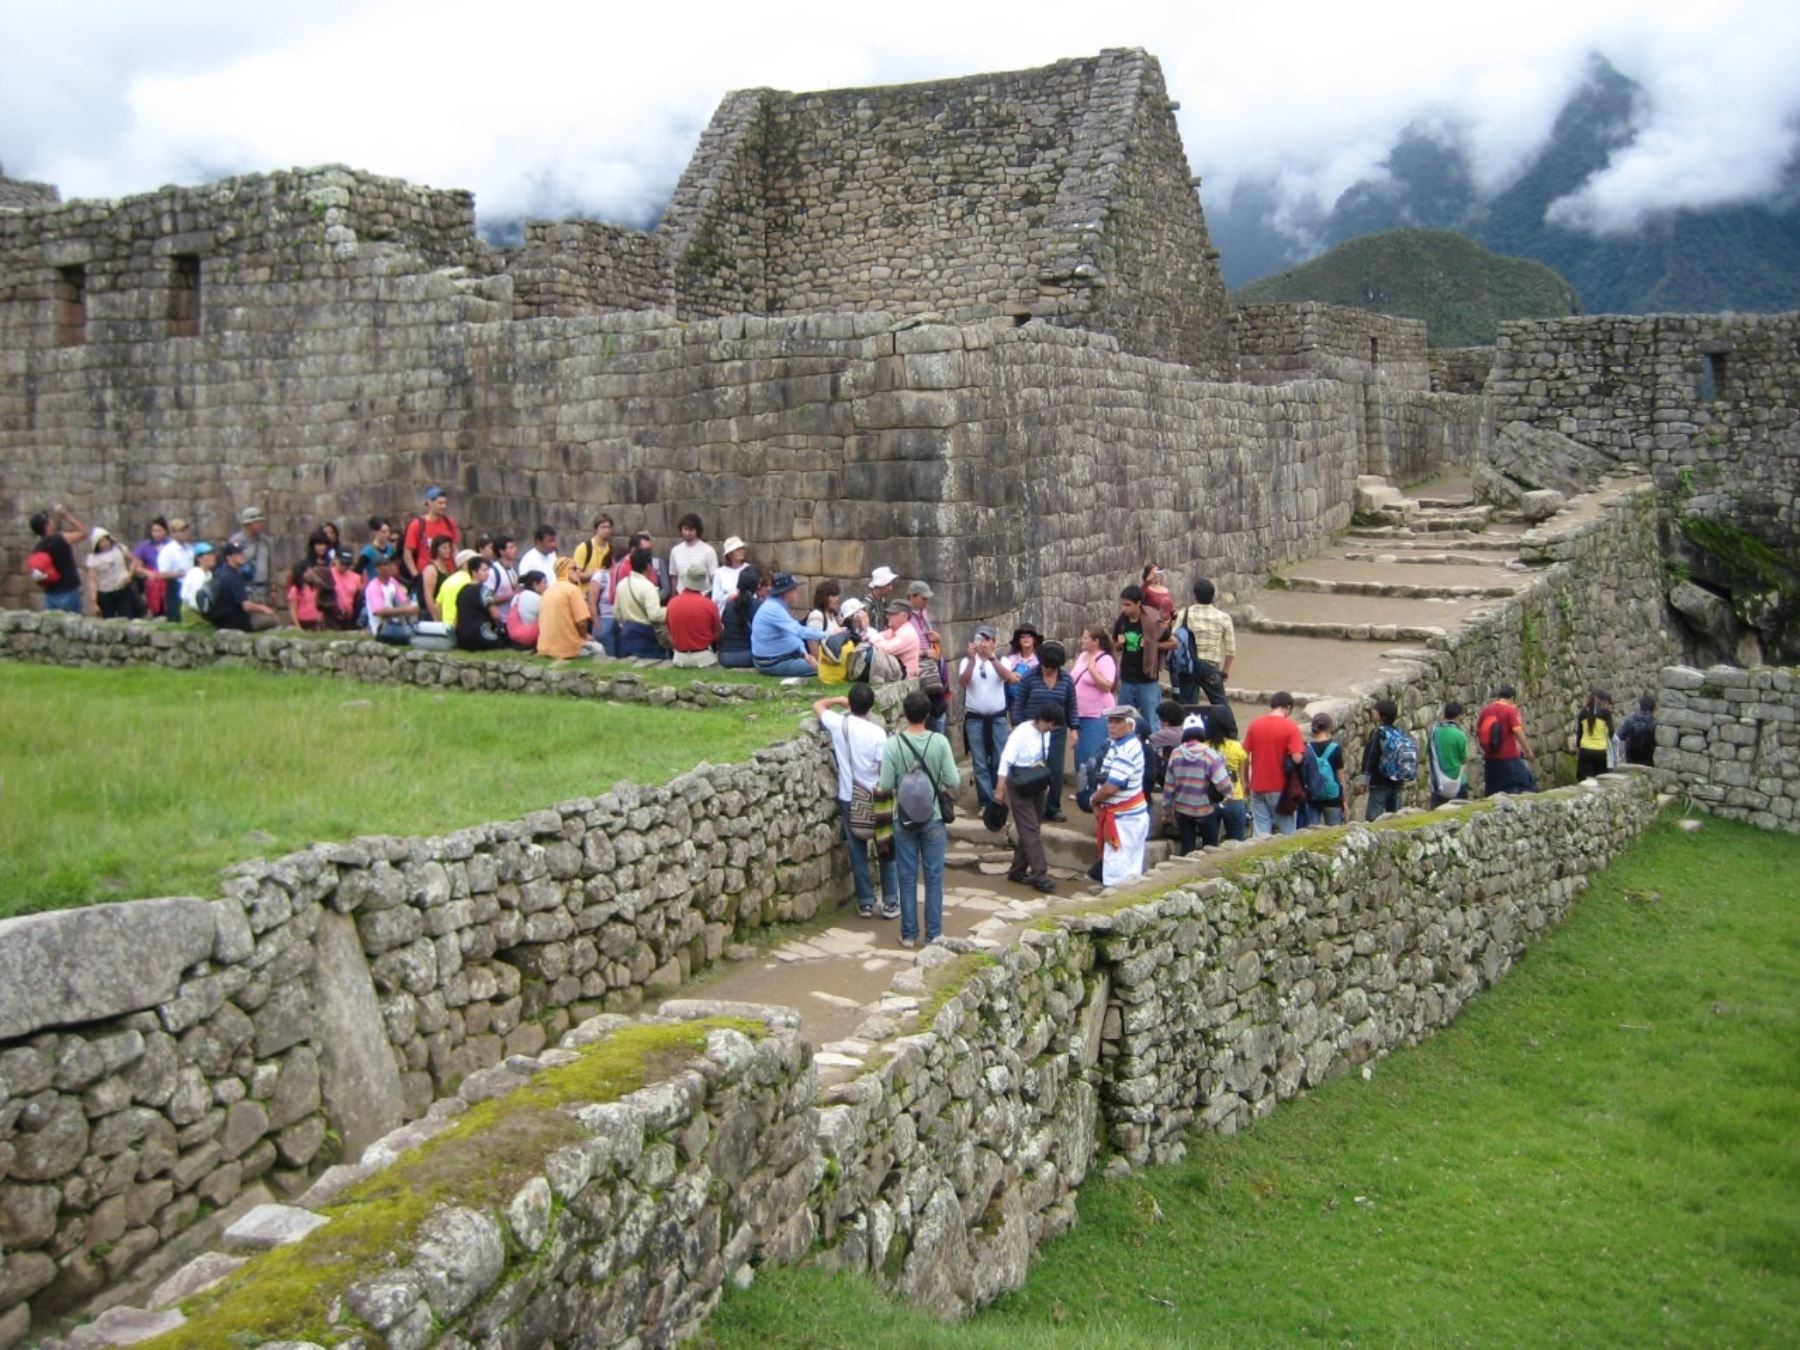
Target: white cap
<point x="883" y="576"/>
<point x="732" y="545"/>
<point x="849" y="607"/>
<point x="1193" y="722"/>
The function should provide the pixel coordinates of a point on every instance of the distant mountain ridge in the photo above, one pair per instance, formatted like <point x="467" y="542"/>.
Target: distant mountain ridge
<point x="1743" y="258"/>
<point x="1459" y="288"/>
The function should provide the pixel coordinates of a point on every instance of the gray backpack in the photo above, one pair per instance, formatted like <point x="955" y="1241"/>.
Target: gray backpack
<point x="917" y="792"/>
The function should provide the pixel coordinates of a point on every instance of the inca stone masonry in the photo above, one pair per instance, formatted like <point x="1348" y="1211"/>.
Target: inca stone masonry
<point x="974" y="330"/>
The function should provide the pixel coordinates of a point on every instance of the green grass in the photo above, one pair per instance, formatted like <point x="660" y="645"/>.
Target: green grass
<point x="123" y="783"/>
<point x="1602" y="1150"/>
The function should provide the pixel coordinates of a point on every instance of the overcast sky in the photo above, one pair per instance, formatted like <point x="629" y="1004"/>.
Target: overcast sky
<point x="592" y="108"/>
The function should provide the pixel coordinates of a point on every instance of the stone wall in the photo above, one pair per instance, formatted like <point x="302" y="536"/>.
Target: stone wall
<point x="65" y="640"/>
<point x="16" y="193"/>
<point x="570" y="267"/>
<point x="1709" y="404"/>
<point x="163" y="1059"/>
<point x="1283" y="342"/>
<point x="1060" y="193"/>
<point x="1460" y="370"/>
<point x="1730" y="739"/>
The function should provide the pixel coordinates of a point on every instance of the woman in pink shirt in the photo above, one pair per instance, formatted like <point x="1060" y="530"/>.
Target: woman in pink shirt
<point x="901" y="641"/>
<point x="1095" y="676"/>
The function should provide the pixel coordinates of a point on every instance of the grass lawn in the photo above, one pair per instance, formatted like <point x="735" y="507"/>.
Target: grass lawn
<point x="1603" y="1150"/>
<point x="123" y="783"/>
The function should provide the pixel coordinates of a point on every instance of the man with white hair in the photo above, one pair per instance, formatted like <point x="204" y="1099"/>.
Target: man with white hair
<point x="1121" y="810"/>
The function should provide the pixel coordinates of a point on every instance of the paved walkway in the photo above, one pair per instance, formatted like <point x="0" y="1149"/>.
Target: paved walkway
<point x="852" y="981"/>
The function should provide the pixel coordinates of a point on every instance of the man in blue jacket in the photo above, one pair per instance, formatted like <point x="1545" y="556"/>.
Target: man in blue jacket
<point x="778" y="641"/>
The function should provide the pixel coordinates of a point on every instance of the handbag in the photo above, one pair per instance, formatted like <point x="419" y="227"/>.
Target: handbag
<point x="862" y="812"/>
<point x="1031" y="781"/>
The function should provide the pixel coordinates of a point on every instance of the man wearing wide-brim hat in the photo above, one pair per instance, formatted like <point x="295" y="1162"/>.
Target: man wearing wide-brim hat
<point x="779" y="643"/>
<point x="694" y="623"/>
<point x="1121" y="810"/>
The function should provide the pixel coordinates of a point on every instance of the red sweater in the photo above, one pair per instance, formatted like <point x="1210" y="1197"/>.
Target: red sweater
<point x="694" y="623"/>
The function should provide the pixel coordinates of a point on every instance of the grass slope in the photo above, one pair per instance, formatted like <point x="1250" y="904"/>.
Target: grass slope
<point x="1601" y="1150"/>
<point x="1459" y="288"/>
<point x="123" y="783"/>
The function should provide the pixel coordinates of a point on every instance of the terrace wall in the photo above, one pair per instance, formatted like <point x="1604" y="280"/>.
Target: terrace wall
<point x="1729" y="738"/>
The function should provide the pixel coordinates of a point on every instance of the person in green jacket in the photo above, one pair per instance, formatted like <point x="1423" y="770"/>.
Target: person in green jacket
<point x="1449" y="752"/>
<point x="921" y="841"/>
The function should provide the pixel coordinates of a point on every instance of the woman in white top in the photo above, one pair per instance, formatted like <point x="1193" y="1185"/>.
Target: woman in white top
<point x="824" y="613"/>
<point x="113" y="570"/>
<point x="725" y="577"/>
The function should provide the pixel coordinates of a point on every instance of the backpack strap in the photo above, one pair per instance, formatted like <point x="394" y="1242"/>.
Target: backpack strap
<point x="923" y="766"/>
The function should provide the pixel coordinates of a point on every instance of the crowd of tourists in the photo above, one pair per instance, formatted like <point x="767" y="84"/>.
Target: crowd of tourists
<point x="1141" y="703"/>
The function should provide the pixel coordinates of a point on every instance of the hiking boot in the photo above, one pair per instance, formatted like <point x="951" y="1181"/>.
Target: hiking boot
<point x="1018" y="876"/>
<point x="1044" y="884"/>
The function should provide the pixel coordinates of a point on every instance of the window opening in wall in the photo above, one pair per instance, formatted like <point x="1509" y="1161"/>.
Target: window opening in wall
<point x="184" y="296"/>
<point x="1712" y="377"/>
<point x="1375" y="352"/>
<point x="70" y="319"/>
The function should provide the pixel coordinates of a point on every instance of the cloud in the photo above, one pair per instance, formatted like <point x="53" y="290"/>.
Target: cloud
<point x="559" y="107"/>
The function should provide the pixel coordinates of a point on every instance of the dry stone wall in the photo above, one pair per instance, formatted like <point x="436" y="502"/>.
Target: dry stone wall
<point x="1460" y="370"/>
<point x="570" y="267"/>
<point x="1730" y="739"/>
<point x="161" y="1058"/>
<point x="1279" y="343"/>
<point x="16" y="193"/>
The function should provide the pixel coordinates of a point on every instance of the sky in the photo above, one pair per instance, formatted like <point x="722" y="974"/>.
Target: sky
<point x="585" y="108"/>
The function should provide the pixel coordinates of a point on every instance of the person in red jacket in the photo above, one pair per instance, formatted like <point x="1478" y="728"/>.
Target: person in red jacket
<point x="1273" y="742"/>
<point x="423" y="531"/>
<point x="694" y="624"/>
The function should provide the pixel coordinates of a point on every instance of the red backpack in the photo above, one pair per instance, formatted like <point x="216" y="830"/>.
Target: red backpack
<point x="42" y="569"/>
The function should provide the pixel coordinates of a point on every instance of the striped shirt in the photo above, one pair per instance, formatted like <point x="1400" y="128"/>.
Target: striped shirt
<point x="1123" y="769"/>
<point x="1192" y="765"/>
<point x="1214" y="637"/>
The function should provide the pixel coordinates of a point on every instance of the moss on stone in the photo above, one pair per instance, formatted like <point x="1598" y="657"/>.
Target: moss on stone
<point x="945" y="982"/>
<point x="1742" y="554"/>
<point x="479" y="1162"/>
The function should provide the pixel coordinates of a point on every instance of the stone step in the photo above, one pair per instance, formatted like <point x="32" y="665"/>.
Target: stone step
<point x="1069" y="846"/>
<point x="1398" y="590"/>
<point x="1417" y="556"/>
<point x="1445" y="503"/>
<point x="1340" y="632"/>
<point x="1429" y="539"/>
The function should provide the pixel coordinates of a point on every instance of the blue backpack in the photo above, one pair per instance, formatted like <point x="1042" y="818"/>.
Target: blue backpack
<point x="1399" y="756"/>
<point x="1181" y="661"/>
<point x="1321" y="781"/>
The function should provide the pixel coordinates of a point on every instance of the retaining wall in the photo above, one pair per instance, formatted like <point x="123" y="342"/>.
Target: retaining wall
<point x="1730" y="739"/>
<point x="937" y="1173"/>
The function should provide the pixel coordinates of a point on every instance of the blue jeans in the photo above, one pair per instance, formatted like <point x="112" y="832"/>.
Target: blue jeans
<point x="639" y="639"/>
<point x="985" y="735"/>
<point x="859" y="866"/>
<point x="783" y="666"/>
<point x="1090" y="748"/>
<point x="1232" y="814"/>
<point x="608" y="636"/>
<point x="1326" y="813"/>
<point x="1507" y="775"/>
<point x="1265" y="818"/>
<point x="1383" y="798"/>
<point x="913" y="852"/>
<point x="69" y="602"/>
<point x="1144" y="695"/>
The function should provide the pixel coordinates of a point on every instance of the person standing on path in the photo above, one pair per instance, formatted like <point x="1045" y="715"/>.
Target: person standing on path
<point x="1023" y="782"/>
<point x="1506" y="753"/>
<point x="1139" y="640"/>
<point x="692" y="549"/>
<point x="919" y="851"/>
<point x="1096" y="679"/>
<point x="1593" y="735"/>
<point x="983" y="681"/>
<point x="1638" y="733"/>
<point x="1215" y="646"/>
<point x="857" y="743"/>
<point x="1447" y="750"/>
<point x="1385" y="794"/>
<point x="1121" y="810"/>
<point x="1274" y="744"/>
<point x="1048" y="684"/>
<point x="1329" y="809"/>
<point x="57" y="532"/>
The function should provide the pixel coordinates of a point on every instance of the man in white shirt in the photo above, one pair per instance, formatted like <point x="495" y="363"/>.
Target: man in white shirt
<point x="541" y="556"/>
<point x="174" y="562"/>
<point x="199" y="572"/>
<point x="983" y="680"/>
<point x="857" y="743"/>
<point x="692" y="549"/>
<point x="1025" y="759"/>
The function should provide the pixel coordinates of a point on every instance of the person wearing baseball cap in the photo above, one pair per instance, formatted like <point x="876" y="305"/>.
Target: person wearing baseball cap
<point x="694" y="624"/>
<point x="1121" y="810"/>
<point x="1195" y="783"/>
<point x="437" y="522"/>
<point x="231" y="606"/>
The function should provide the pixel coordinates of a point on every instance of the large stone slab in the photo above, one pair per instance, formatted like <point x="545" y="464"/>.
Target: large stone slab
<point x="358" y="1074"/>
<point x="82" y="965"/>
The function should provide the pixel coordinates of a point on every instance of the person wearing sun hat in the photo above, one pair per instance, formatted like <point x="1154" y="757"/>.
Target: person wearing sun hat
<point x="881" y="590"/>
<point x="258" y="562"/>
<point x="725" y="575"/>
<point x="694" y="624"/>
<point x="778" y="641"/>
<point x="1121" y="810"/>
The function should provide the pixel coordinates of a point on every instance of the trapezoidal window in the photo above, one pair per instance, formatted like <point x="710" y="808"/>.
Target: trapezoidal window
<point x="1712" y="377"/>
<point x="184" y="296"/>
<point x="69" y="306"/>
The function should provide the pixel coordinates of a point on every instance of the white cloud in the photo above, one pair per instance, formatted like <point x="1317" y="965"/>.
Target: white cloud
<point x="564" y="107"/>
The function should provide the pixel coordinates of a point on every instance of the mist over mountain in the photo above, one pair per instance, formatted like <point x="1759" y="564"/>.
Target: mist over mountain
<point x="1742" y="257"/>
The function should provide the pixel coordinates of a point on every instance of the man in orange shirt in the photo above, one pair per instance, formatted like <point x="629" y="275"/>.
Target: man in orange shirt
<point x="563" y="616"/>
<point x="1273" y="742"/>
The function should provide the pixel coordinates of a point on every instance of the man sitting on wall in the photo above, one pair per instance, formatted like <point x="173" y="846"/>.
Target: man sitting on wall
<point x="694" y="623"/>
<point x="778" y="641"/>
<point x="231" y="605"/>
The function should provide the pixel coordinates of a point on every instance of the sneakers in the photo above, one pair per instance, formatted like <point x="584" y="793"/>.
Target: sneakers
<point x="889" y="910"/>
<point x="865" y="911"/>
<point x="909" y="943"/>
